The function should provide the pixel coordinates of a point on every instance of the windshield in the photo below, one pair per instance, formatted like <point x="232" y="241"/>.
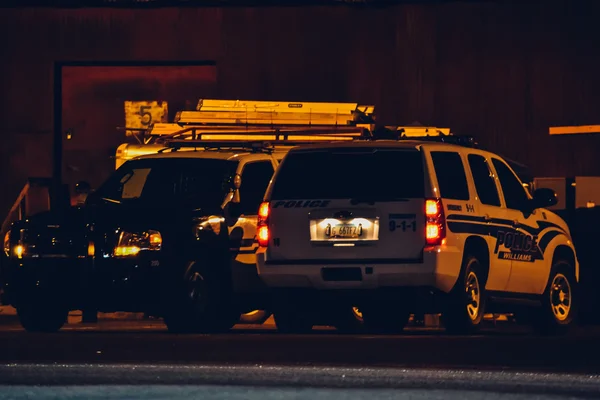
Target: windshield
<point x="160" y="181"/>
<point x="348" y="173"/>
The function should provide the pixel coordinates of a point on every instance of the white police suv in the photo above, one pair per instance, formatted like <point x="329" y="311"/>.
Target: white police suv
<point x="392" y="226"/>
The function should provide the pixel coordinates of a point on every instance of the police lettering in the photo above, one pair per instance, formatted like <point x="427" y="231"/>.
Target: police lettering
<point x="301" y="203"/>
<point x="516" y="241"/>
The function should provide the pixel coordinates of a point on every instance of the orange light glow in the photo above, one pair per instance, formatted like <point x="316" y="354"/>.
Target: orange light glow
<point x="19" y="250"/>
<point x="263" y="210"/>
<point x="431" y="208"/>
<point x="126" y="251"/>
<point x="263" y="235"/>
<point x="155" y="238"/>
<point x="433" y="231"/>
<point x="91" y="249"/>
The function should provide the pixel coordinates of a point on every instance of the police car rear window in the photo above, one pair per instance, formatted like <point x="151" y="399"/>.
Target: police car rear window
<point x="378" y="174"/>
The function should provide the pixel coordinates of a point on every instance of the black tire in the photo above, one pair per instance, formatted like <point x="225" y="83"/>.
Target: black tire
<point x="466" y="303"/>
<point x="560" y="301"/>
<point x="40" y="318"/>
<point x="386" y="315"/>
<point x="347" y="320"/>
<point x="293" y="317"/>
<point x="205" y="304"/>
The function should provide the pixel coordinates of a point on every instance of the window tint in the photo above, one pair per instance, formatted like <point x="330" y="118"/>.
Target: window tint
<point x="255" y="179"/>
<point x="346" y="173"/>
<point x="484" y="181"/>
<point x="127" y="183"/>
<point x="158" y="180"/>
<point x="514" y="192"/>
<point x="205" y="181"/>
<point x="451" y="176"/>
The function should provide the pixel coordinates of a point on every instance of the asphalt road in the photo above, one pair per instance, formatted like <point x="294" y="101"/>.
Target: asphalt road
<point x="262" y="382"/>
<point x="147" y="342"/>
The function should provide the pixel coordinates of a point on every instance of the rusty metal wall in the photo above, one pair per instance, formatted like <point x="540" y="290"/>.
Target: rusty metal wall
<point x="499" y="71"/>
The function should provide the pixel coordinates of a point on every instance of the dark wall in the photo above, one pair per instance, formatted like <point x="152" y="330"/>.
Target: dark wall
<point x="501" y="72"/>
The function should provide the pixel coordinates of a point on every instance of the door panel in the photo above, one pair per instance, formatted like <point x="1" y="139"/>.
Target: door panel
<point x="520" y="244"/>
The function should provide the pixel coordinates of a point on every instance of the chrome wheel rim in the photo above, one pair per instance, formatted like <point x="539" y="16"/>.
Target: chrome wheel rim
<point x="560" y="297"/>
<point x="473" y="295"/>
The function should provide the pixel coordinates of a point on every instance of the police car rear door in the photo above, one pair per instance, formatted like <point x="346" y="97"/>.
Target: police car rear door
<point x="348" y="205"/>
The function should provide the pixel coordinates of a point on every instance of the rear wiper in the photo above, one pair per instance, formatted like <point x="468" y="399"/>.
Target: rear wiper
<point x="371" y="201"/>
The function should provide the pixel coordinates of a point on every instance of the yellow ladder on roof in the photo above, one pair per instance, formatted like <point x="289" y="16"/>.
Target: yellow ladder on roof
<point x="246" y="112"/>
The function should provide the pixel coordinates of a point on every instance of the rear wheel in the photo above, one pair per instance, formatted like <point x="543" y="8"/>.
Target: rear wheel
<point x="559" y="301"/>
<point x="293" y="315"/>
<point x="466" y="303"/>
<point x="347" y="319"/>
<point x="205" y="306"/>
<point x="389" y="314"/>
<point x="41" y="318"/>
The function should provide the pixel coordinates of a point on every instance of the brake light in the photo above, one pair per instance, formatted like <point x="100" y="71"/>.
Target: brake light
<point x="435" y="227"/>
<point x="263" y="233"/>
<point x="263" y="210"/>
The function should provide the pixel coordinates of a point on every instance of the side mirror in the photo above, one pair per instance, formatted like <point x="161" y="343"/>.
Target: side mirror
<point x="544" y="197"/>
<point x="236" y="184"/>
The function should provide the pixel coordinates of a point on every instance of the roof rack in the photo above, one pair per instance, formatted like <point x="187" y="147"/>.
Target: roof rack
<point x="253" y="146"/>
<point x="247" y="112"/>
<point x="200" y="134"/>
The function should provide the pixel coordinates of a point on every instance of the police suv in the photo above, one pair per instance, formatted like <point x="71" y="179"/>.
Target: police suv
<point x="391" y="226"/>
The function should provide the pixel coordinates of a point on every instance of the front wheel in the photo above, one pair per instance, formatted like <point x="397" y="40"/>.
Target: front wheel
<point x="559" y="302"/>
<point x="205" y="303"/>
<point x="40" y="318"/>
<point x="466" y="304"/>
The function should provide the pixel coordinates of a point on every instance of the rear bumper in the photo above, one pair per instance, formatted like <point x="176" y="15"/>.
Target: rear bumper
<point x="439" y="269"/>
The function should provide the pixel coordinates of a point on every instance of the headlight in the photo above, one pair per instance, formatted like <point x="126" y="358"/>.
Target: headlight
<point x="130" y="244"/>
<point x="21" y="247"/>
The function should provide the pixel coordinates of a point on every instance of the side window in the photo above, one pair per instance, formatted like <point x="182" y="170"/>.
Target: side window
<point x="255" y="179"/>
<point x="484" y="180"/>
<point x="514" y="192"/>
<point x="451" y="176"/>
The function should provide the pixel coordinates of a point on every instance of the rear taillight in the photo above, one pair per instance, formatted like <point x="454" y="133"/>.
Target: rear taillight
<point x="262" y="229"/>
<point x="435" y="227"/>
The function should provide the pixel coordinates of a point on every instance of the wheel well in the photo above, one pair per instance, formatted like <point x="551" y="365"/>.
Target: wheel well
<point x="478" y="247"/>
<point x="563" y="252"/>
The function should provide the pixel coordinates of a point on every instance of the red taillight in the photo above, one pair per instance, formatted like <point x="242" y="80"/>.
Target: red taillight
<point x="435" y="227"/>
<point x="263" y="210"/>
<point x="262" y="232"/>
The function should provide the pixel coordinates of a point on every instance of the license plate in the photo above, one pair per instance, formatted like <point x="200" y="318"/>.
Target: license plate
<point x="345" y="231"/>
